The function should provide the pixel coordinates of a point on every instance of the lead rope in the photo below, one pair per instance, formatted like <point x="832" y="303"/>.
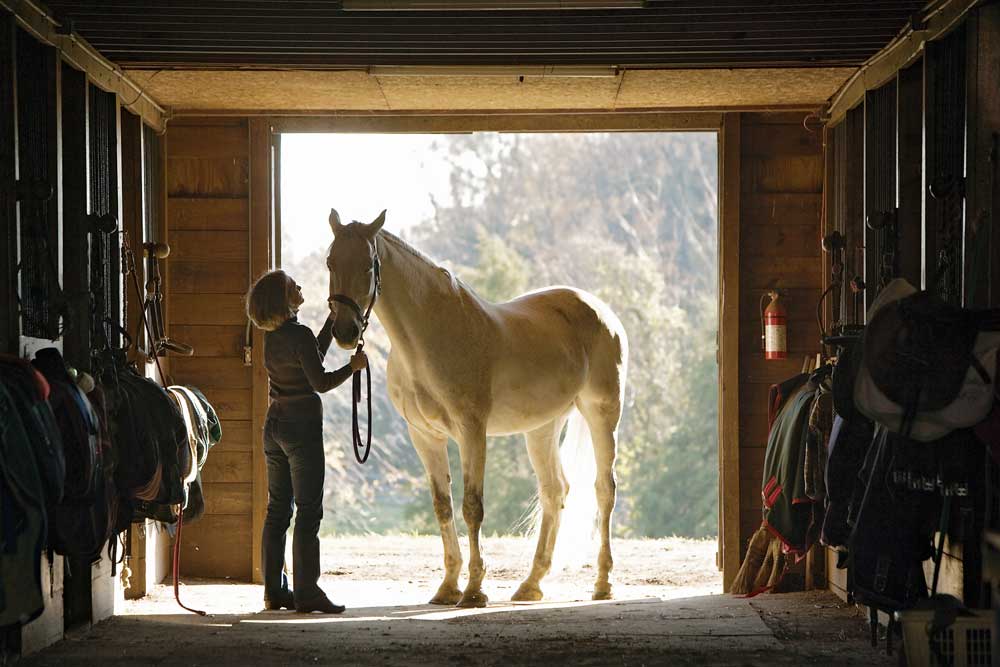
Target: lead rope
<point x="356" y="381"/>
<point x="177" y="563"/>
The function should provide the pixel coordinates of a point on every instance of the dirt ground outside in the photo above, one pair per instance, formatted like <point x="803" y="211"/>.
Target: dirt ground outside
<point x="666" y="568"/>
<point x="668" y="610"/>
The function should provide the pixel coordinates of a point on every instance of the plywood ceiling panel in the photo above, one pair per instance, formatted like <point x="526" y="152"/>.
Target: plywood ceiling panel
<point x="297" y="91"/>
<point x="730" y="88"/>
<point x="286" y="90"/>
<point x="491" y="93"/>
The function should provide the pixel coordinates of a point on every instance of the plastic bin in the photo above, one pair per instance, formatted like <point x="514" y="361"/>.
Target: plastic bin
<point x="966" y="643"/>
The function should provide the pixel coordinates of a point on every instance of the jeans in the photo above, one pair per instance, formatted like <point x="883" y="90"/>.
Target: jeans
<point x="296" y="466"/>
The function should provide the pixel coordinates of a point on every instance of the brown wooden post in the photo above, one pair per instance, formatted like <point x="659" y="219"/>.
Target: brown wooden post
<point x="262" y="258"/>
<point x="10" y="328"/>
<point x="880" y="183"/>
<point x="76" y="249"/>
<point x="852" y="210"/>
<point x="131" y="224"/>
<point x="983" y="184"/>
<point x="910" y="160"/>
<point x="729" y="347"/>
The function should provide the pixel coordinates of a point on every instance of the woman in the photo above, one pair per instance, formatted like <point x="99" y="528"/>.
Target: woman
<point x="293" y="440"/>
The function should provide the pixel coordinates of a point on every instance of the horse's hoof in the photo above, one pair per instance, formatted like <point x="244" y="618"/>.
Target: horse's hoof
<point x="527" y="593"/>
<point x="446" y="595"/>
<point x="603" y="594"/>
<point x="473" y="599"/>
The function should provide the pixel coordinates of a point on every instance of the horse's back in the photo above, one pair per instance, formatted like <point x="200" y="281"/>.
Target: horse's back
<point x="570" y="323"/>
<point x="565" y="308"/>
<point x="555" y="344"/>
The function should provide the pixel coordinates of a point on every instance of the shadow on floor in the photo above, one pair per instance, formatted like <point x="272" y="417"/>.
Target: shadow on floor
<point x="717" y="630"/>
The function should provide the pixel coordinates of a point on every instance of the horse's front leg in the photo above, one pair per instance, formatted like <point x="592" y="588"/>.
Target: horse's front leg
<point x="433" y="452"/>
<point x="472" y="448"/>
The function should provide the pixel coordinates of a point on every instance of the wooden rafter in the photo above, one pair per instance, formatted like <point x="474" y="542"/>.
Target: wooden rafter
<point x="79" y="53"/>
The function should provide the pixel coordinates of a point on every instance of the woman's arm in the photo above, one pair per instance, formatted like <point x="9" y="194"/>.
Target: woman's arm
<point x="325" y="337"/>
<point x="311" y="357"/>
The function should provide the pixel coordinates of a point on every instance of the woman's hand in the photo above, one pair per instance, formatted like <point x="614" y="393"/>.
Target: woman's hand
<point x="358" y="361"/>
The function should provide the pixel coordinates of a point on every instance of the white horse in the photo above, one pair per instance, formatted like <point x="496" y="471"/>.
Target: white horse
<point x="464" y="368"/>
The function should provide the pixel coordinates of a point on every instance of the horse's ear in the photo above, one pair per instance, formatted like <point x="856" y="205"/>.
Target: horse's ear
<point x="335" y="224"/>
<point x="371" y="229"/>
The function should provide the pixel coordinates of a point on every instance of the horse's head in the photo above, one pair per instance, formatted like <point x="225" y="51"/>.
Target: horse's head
<point x="353" y="264"/>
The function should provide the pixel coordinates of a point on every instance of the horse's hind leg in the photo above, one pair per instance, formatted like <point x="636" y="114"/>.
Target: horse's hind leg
<point x="472" y="448"/>
<point x="433" y="452"/>
<point x="543" y="450"/>
<point x="602" y="417"/>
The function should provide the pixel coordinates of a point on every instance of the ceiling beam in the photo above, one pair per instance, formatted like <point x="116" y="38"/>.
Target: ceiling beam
<point x="486" y="5"/>
<point x="696" y="121"/>
<point x="76" y="51"/>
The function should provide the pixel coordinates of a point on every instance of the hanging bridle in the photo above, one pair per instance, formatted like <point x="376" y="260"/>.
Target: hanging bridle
<point x="356" y="382"/>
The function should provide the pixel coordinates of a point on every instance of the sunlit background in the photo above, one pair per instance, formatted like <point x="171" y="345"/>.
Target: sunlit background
<point x="631" y="217"/>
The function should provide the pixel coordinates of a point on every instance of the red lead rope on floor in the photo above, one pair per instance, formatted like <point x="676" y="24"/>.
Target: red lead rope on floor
<point x="177" y="563"/>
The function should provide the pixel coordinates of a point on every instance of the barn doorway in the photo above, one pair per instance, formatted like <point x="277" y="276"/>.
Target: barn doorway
<point x="629" y="216"/>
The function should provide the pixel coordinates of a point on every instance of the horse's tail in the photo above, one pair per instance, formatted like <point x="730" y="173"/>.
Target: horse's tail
<point x="575" y="540"/>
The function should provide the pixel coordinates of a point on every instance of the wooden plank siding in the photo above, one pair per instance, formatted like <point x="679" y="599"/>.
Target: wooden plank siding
<point x="782" y="167"/>
<point x="208" y="229"/>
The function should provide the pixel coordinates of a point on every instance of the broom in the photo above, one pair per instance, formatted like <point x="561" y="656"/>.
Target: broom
<point x="751" y="568"/>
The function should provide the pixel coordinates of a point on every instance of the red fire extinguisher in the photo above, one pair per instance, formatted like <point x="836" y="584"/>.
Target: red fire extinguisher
<point x="774" y="321"/>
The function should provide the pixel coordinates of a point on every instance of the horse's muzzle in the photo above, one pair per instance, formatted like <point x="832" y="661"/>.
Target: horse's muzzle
<point x="346" y="331"/>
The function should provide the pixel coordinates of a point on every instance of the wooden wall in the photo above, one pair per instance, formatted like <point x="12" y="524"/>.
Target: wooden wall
<point x="208" y="272"/>
<point x="781" y="184"/>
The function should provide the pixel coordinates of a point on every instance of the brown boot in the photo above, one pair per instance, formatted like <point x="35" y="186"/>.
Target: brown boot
<point x="283" y="600"/>
<point x="321" y="604"/>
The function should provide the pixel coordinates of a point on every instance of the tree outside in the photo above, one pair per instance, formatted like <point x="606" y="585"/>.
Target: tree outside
<point x="631" y="217"/>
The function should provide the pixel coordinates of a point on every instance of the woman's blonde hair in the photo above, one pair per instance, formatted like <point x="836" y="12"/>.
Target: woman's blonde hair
<point x="267" y="301"/>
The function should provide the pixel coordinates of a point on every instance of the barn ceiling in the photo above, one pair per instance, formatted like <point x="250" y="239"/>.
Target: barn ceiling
<point x="792" y="51"/>
<point x="316" y="33"/>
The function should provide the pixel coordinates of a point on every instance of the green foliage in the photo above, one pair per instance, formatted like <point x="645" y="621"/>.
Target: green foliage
<point x="629" y="217"/>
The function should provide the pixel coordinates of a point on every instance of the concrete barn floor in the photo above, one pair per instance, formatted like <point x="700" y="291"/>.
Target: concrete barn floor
<point x="667" y="611"/>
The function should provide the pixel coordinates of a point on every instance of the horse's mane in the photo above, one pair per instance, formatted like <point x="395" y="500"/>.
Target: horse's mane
<point x="399" y="244"/>
<point x="406" y="247"/>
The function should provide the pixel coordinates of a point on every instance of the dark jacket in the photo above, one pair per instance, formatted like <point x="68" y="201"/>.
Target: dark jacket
<point x="293" y="358"/>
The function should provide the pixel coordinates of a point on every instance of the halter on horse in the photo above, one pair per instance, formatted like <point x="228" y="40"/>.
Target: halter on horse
<point x="356" y="380"/>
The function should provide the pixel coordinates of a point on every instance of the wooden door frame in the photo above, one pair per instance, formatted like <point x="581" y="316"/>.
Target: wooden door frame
<point x="263" y="257"/>
<point x="729" y="348"/>
<point x="265" y="253"/>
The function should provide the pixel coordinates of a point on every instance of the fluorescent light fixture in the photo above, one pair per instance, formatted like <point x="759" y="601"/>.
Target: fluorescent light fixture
<point x="536" y="71"/>
<point x="466" y="5"/>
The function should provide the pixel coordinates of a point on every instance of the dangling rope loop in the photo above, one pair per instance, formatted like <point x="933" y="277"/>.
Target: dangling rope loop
<point x="355" y="429"/>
